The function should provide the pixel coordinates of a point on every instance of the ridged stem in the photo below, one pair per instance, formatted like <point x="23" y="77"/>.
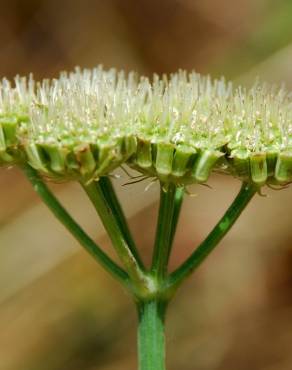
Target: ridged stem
<point x="72" y="226"/>
<point x="245" y="194"/>
<point x="151" y="336"/>
<point x="117" y="211"/>
<point x="164" y="231"/>
<point x="112" y="227"/>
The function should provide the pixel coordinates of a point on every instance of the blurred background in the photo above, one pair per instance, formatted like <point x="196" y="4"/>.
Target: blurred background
<point x="58" y="309"/>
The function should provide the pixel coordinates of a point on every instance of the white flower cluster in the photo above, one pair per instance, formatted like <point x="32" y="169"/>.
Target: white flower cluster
<point x="177" y="128"/>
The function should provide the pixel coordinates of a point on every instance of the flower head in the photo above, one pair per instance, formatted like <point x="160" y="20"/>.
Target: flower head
<point x="176" y="128"/>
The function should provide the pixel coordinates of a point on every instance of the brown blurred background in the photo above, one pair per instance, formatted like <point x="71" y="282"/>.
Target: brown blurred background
<point x="58" y="309"/>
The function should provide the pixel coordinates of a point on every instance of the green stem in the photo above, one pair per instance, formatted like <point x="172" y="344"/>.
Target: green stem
<point x="117" y="211"/>
<point x="178" y="200"/>
<point x="151" y="337"/>
<point x="96" y="195"/>
<point x="198" y="256"/>
<point x="164" y="231"/>
<point x="62" y="215"/>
